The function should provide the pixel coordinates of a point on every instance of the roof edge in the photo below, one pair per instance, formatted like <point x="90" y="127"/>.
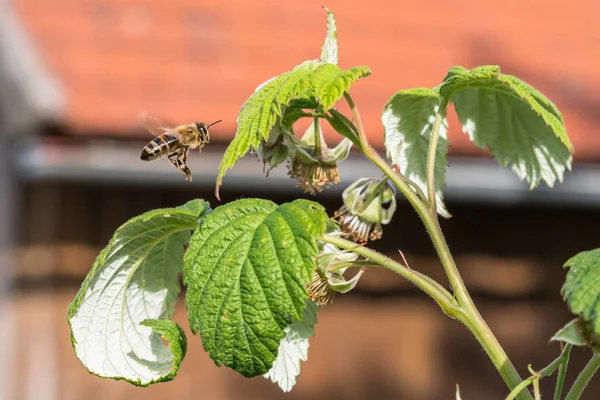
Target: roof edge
<point x="469" y="179"/>
<point x="33" y="95"/>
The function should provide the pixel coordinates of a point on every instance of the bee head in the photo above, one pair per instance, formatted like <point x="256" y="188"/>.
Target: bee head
<point x="203" y="131"/>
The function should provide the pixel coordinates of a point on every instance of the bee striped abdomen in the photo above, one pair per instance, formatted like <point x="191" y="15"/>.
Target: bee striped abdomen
<point x="160" y="146"/>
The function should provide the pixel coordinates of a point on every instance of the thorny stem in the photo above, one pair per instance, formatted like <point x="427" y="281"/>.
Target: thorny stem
<point x="562" y="372"/>
<point x="469" y="316"/>
<point x="340" y="265"/>
<point x="559" y="363"/>
<point x="435" y="134"/>
<point x="584" y="378"/>
<point x="422" y="281"/>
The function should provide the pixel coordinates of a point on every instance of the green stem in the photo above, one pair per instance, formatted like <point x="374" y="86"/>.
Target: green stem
<point x="415" y="187"/>
<point x="435" y="134"/>
<point x="317" y="130"/>
<point x="584" y="378"/>
<point x="423" y="282"/>
<point x="348" y="264"/>
<point x="536" y="388"/>
<point x="562" y="372"/>
<point x="470" y="316"/>
<point x="312" y="115"/>
<point x="513" y="394"/>
<point x="559" y="362"/>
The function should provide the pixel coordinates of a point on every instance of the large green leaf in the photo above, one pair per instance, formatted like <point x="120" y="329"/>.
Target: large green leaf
<point x="293" y="349"/>
<point x="408" y="120"/>
<point x="117" y="317"/>
<point x="246" y="271"/>
<point x="518" y="124"/>
<point x="581" y="289"/>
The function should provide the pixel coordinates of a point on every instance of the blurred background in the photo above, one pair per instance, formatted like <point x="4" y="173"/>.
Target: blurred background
<point x="75" y="74"/>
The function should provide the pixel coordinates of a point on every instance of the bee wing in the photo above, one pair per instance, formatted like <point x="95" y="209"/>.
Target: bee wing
<point x="154" y="126"/>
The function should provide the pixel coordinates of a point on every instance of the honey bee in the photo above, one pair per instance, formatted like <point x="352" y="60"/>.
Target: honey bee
<point x="175" y="142"/>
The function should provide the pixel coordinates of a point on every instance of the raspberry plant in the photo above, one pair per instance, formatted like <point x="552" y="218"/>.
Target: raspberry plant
<point x="257" y="273"/>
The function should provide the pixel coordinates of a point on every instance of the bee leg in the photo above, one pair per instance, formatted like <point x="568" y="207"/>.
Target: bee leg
<point x="183" y="159"/>
<point x="178" y="159"/>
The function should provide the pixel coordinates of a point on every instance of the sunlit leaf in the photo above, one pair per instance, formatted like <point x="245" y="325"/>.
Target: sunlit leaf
<point x="246" y="270"/>
<point x="311" y="83"/>
<point x="121" y="311"/>
<point x="408" y="120"/>
<point x="260" y="113"/>
<point x="517" y="123"/>
<point x="329" y="83"/>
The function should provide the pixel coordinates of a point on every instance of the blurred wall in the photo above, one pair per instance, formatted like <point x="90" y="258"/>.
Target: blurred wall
<point x="384" y="340"/>
<point x="7" y="236"/>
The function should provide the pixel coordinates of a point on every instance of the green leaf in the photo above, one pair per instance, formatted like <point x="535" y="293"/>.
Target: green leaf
<point x="329" y="53"/>
<point x="246" y="271"/>
<point x="172" y="333"/>
<point x="310" y="83"/>
<point x="134" y="279"/>
<point x="570" y="333"/>
<point x="293" y="349"/>
<point x="581" y="289"/>
<point x="408" y="120"/>
<point x="329" y="82"/>
<point x="518" y="124"/>
<point x="343" y="126"/>
<point x="260" y="113"/>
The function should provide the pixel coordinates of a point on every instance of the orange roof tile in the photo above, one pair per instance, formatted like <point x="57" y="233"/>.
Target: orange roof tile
<point x="188" y="60"/>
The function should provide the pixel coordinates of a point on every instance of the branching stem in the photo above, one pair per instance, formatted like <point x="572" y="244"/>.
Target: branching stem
<point x="559" y="363"/>
<point x="584" y="378"/>
<point x="562" y="372"/>
<point x="423" y="282"/>
<point x="469" y="314"/>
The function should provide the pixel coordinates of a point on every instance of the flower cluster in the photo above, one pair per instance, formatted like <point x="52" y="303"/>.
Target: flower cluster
<point x="328" y="279"/>
<point x="310" y="161"/>
<point x="368" y="204"/>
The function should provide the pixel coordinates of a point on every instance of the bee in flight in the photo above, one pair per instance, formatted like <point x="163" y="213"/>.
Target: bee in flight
<point x="175" y="142"/>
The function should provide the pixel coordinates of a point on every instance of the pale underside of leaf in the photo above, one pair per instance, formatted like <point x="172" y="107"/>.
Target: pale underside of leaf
<point x="293" y="349"/>
<point x="513" y="133"/>
<point x="517" y="123"/>
<point x="134" y="279"/>
<point x="408" y="120"/>
<point x="329" y="52"/>
<point x="570" y="333"/>
<point x="246" y="271"/>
